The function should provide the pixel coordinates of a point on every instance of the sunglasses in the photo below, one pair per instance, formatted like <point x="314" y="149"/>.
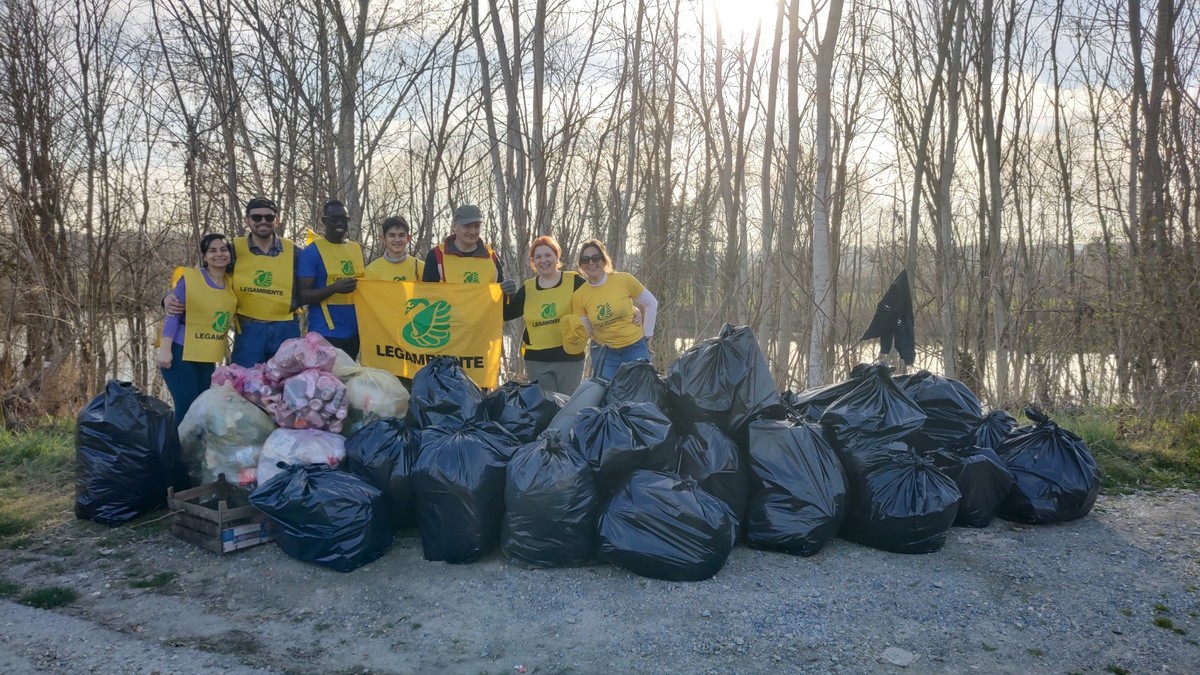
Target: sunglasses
<point x="260" y="217"/>
<point x="586" y="259"/>
<point x="337" y="220"/>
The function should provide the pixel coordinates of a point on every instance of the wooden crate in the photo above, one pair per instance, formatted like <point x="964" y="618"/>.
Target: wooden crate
<point x="218" y="516"/>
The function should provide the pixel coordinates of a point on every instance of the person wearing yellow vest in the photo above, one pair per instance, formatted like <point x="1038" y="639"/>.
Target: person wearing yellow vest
<point x="327" y="273"/>
<point x="606" y="306"/>
<point x="463" y="258"/>
<point x="396" y="264"/>
<point x="543" y="301"/>
<point x="195" y="341"/>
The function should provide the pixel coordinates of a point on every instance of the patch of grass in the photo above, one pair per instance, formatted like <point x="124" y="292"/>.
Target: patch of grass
<point x="1115" y="670"/>
<point x="1125" y="611"/>
<point x="1135" y="453"/>
<point x="416" y="625"/>
<point x="37" y="475"/>
<point x="989" y="648"/>
<point x="48" y="598"/>
<point x="1165" y="623"/>
<point x="1035" y="651"/>
<point x="154" y="581"/>
<point x="1160" y="608"/>
<point x="9" y="589"/>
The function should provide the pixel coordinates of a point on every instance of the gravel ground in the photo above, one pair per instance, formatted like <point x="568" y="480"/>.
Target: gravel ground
<point x="1113" y="592"/>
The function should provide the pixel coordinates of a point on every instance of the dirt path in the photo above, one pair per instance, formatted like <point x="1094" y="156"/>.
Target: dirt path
<point x="1116" y="590"/>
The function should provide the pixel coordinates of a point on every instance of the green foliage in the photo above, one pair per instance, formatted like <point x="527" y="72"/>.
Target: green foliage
<point x="1138" y="454"/>
<point x="36" y="478"/>
<point x="9" y="589"/>
<point x="154" y="581"/>
<point x="1167" y="624"/>
<point x="1115" y="670"/>
<point x="49" y="598"/>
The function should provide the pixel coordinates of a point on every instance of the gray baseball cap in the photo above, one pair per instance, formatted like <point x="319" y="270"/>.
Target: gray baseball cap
<point x="467" y="213"/>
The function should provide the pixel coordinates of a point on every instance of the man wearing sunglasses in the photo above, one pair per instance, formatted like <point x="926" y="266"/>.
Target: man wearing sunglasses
<point x="264" y="281"/>
<point x="327" y="274"/>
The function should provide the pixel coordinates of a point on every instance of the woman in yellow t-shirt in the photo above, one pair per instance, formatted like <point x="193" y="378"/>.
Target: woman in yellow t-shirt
<point x="605" y="304"/>
<point x="195" y="341"/>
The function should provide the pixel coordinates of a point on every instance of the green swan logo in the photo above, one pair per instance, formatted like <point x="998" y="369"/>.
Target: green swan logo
<point x="220" y="322"/>
<point x="549" y="310"/>
<point x="604" y="311"/>
<point x="263" y="279"/>
<point x="470" y="277"/>
<point x="348" y="267"/>
<point x="429" y="328"/>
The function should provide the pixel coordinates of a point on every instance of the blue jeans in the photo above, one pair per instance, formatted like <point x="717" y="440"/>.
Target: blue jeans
<point x="186" y="380"/>
<point x="259" y="340"/>
<point x="613" y="358"/>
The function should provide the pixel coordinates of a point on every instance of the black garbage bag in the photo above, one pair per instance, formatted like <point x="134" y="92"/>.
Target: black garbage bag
<point x="127" y="454"/>
<point x="981" y="477"/>
<point x="459" y="483"/>
<point x="709" y="457"/>
<point x="443" y="395"/>
<point x="901" y="503"/>
<point x="1056" y="477"/>
<point x="875" y="409"/>
<point x="951" y="410"/>
<point x="620" y="439"/>
<point x="992" y="430"/>
<point x="383" y="453"/>
<point x="724" y="380"/>
<point x="638" y="382"/>
<point x="551" y="503"/>
<point x="588" y="394"/>
<point x="524" y="409"/>
<point x="797" y="488"/>
<point x="662" y="526"/>
<point x="811" y="403"/>
<point x="326" y="516"/>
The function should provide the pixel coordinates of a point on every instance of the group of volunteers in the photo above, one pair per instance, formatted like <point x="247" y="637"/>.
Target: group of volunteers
<point x="255" y="285"/>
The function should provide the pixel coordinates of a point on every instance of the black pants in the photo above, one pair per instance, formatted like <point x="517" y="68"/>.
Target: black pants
<point x="348" y="345"/>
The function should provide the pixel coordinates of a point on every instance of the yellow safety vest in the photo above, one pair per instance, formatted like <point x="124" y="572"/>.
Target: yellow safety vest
<point x="544" y="309"/>
<point x="459" y="269"/>
<point x="208" y="316"/>
<point x="263" y="283"/>
<point x="342" y="261"/>
<point x="410" y="269"/>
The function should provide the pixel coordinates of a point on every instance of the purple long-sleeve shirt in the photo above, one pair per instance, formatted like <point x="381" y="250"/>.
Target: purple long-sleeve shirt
<point x="175" y="326"/>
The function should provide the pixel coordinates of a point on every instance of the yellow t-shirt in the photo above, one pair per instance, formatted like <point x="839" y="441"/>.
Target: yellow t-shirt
<point x="609" y="308"/>
<point x="410" y="269"/>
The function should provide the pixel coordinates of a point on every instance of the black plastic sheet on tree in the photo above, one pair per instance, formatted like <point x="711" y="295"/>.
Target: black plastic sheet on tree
<point x="127" y="454"/>
<point x="797" y="488"/>
<point x="551" y="503"/>
<point x="459" y="483"/>
<point x="383" y="453"/>
<point x="723" y="380"/>
<point x="1056" y="477"/>
<point x="662" y="526"/>
<point x="443" y="395"/>
<point x="525" y="410"/>
<point x="326" y="516"/>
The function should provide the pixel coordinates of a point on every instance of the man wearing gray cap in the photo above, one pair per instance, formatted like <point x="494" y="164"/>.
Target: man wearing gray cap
<point x="463" y="258"/>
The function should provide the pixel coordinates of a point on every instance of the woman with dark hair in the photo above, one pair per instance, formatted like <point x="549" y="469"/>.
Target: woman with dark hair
<point x="544" y="300"/>
<point x="195" y="341"/>
<point x="605" y="305"/>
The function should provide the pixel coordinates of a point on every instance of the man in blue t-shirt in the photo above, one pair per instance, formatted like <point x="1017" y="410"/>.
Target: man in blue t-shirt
<point x="326" y="276"/>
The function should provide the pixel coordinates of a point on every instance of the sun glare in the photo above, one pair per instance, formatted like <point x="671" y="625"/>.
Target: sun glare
<point x="742" y="16"/>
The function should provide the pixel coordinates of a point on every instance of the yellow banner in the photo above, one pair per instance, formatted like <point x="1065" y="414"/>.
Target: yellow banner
<point x="401" y="325"/>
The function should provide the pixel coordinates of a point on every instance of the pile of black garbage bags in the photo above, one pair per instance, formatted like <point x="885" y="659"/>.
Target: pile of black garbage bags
<point x="664" y="475"/>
